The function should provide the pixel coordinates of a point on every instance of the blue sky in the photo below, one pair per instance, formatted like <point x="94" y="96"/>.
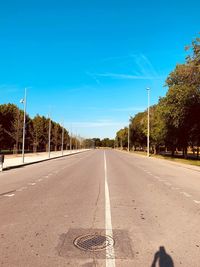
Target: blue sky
<point x="88" y="62"/>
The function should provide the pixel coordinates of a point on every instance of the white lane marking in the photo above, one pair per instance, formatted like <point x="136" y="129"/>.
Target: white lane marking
<point x="157" y="177"/>
<point x="196" y="201"/>
<point x="39" y="180"/>
<point x="185" y="194"/>
<point x="46" y="176"/>
<point x="22" y="188"/>
<point x="9" y="195"/>
<point x="110" y="253"/>
<point x="31" y="183"/>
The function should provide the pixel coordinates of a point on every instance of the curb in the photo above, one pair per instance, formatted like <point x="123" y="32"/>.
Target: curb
<point x="39" y="161"/>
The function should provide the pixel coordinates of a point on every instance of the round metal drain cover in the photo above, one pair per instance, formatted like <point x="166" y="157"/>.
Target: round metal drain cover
<point x="93" y="242"/>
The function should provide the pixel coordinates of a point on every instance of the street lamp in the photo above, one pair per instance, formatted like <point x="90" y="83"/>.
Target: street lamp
<point x="70" y="142"/>
<point x="23" y="101"/>
<point x="148" y="127"/>
<point x="129" y="134"/>
<point x="76" y="141"/>
<point x="129" y="137"/>
<point x="49" y="146"/>
<point x="62" y="138"/>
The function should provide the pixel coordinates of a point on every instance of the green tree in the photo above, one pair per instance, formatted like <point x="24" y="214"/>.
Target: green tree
<point x="138" y="130"/>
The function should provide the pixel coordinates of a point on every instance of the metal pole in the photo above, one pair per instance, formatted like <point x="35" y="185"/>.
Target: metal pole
<point x="76" y="143"/>
<point x="49" y="147"/>
<point x="62" y="139"/>
<point x="70" y="143"/>
<point x="148" y="122"/>
<point x="129" y="137"/>
<point x="24" y="126"/>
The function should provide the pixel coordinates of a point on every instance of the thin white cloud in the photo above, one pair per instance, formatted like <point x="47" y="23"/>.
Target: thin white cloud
<point x="126" y="76"/>
<point x="94" y="124"/>
<point x="114" y="109"/>
<point x="128" y="109"/>
<point x="142" y="69"/>
<point x="93" y="77"/>
<point x="144" y="65"/>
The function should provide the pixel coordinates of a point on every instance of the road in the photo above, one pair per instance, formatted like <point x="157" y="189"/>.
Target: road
<point x="150" y="207"/>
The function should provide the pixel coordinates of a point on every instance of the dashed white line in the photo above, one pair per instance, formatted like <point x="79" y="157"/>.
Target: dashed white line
<point x="110" y="253"/>
<point x="196" y="201"/>
<point x="9" y="195"/>
<point x="185" y="194"/>
<point x="39" y="180"/>
<point x="21" y="189"/>
<point x="31" y="183"/>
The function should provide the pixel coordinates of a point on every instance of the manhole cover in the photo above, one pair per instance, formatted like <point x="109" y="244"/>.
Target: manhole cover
<point x="93" y="242"/>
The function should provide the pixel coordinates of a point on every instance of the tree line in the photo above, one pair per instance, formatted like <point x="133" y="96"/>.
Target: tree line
<point x="36" y="132"/>
<point x="98" y="143"/>
<point x="175" y="120"/>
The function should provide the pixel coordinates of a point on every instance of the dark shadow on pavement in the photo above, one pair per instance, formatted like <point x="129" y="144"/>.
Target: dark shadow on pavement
<point x="162" y="258"/>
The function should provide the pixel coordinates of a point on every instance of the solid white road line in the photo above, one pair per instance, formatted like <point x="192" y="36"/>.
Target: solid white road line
<point x="31" y="183"/>
<point x="185" y="194"/>
<point x="9" y="195"/>
<point x="22" y="188"/>
<point x="110" y="253"/>
<point x="196" y="201"/>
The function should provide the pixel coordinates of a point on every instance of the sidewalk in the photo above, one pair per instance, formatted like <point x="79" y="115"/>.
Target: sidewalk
<point x="13" y="161"/>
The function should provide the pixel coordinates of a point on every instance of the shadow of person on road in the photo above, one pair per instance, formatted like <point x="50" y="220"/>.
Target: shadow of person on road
<point x="162" y="258"/>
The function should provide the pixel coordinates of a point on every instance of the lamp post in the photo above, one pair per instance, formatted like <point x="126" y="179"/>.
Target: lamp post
<point x="129" y="135"/>
<point x="49" y="146"/>
<point x="76" y="141"/>
<point x="23" y="101"/>
<point x="70" y="142"/>
<point x="62" y="138"/>
<point x="148" y="122"/>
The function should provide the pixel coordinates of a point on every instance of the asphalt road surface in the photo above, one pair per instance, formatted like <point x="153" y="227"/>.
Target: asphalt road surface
<point x="119" y="209"/>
